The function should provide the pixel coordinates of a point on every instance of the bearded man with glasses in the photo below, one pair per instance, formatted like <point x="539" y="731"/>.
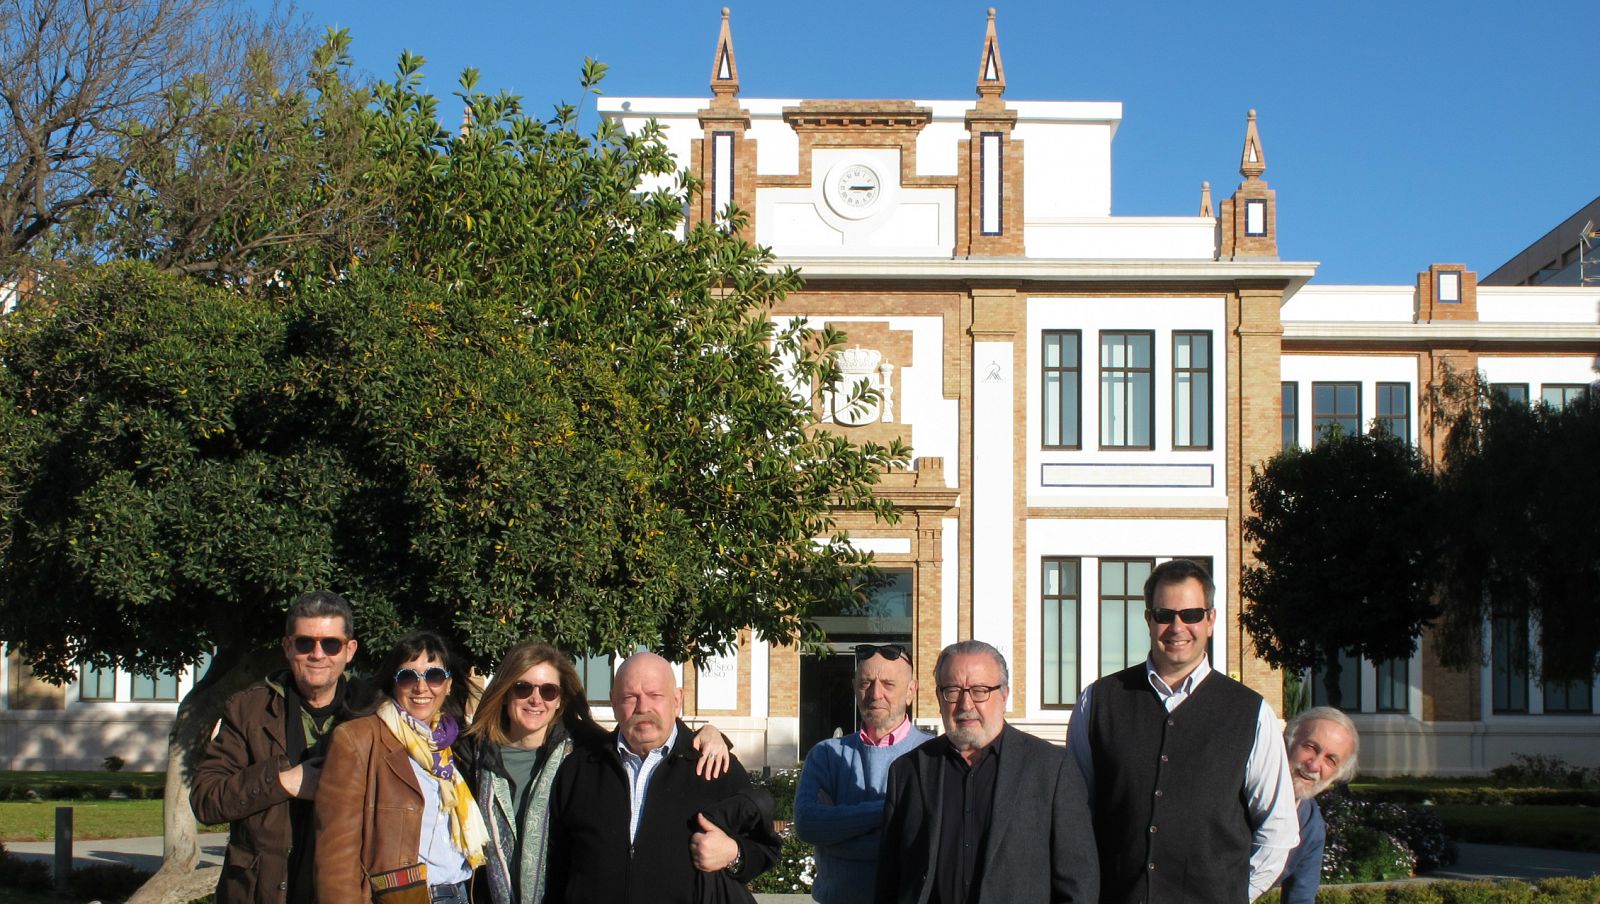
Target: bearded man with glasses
<point x="261" y="771"/>
<point x="984" y="813"/>
<point x="838" y="806"/>
<point x="1186" y="769"/>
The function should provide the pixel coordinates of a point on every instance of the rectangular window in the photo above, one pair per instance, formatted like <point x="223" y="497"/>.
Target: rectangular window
<point x="1511" y="393"/>
<point x="163" y="687"/>
<point x="1127" y="390"/>
<point x="1449" y="287"/>
<point x="1124" y="640"/>
<point x="721" y="176"/>
<point x="1335" y="405"/>
<point x="1508" y="657"/>
<point x="1394" y="685"/>
<point x="1557" y="395"/>
<point x="1566" y="697"/>
<point x="1255" y="217"/>
<point x="96" y="684"/>
<point x="1063" y="386"/>
<point x="1060" y="602"/>
<point x="1191" y="390"/>
<point x="993" y="184"/>
<point x="1394" y="409"/>
<point x="1349" y="684"/>
<point x="596" y="673"/>
<point x="1289" y="414"/>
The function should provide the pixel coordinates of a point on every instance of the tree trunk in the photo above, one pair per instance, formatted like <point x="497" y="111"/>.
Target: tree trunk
<point x="231" y="670"/>
<point x="1332" y="672"/>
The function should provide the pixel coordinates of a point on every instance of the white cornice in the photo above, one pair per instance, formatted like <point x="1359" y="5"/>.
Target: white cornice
<point x="1021" y="269"/>
<point x="1439" y="330"/>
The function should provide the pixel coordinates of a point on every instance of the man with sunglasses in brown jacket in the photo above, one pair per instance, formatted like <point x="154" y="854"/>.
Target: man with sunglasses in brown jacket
<point x="260" y="773"/>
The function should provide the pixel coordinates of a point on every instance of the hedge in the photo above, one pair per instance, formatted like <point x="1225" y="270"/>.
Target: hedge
<point x="1483" y="796"/>
<point x="1564" y="890"/>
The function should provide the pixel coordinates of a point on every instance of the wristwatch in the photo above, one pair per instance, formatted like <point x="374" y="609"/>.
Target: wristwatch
<point x="738" y="861"/>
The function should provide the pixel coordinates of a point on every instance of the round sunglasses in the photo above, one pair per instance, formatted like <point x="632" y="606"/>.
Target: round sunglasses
<point x="406" y="679"/>
<point x="549" y="693"/>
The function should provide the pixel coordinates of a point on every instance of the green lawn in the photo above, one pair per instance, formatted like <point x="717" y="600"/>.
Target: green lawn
<point x="12" y="896"/>
<point x="1560" y="827"/>
<point x="36" y="820"/>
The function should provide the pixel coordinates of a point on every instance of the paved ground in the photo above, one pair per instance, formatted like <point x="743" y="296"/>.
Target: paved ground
<point x="1477" y="861"/>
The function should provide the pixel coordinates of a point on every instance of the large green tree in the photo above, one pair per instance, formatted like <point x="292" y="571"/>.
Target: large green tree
<point x="513" y="397"/>
<point x="1521" y="492"/>
<point x="1345" y="537"/>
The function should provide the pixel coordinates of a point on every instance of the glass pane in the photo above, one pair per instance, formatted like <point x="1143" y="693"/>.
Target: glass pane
<point x="1182" y="410"/>
<point x="1111" y="350"/>
<point x="1113" y="579"/>
<point x="1069" y="350"/>
<point x="1202" y="351"/>
<point x="1201" y="435"/>
<point x="1112" y="629"/>
<point x="1052" y="578"/>
<point x="1180" y="351"/>
<point x="1138" y="573"/>
<point x="1141" y="409"/>
<point x="1069" y="409"/>
<point x="1139" y="350"/>
<point x="1052" y="350"/>
<point x="1052" y="409"/>
<point x="1137" y="640"/>
<point x="1052" y="652"/>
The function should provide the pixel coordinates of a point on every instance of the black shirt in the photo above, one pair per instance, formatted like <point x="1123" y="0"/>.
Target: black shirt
<point x="968" y="793"/>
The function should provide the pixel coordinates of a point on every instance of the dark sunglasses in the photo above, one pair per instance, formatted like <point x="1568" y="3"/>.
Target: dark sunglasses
<point x="330" y="645"/>
<point x="1189" y="616"/>
<point x="405" y="679"/>
<point x="889" y="651"/>
<point x="522" y="690"/>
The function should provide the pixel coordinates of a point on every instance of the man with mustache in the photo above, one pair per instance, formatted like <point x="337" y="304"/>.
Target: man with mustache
<point x="985" y="813"/>
<point x="1185" y="767"/>
<point x="1323" y="747"/>
<point x="839" y="804"/>
<point x="631" y="821"/>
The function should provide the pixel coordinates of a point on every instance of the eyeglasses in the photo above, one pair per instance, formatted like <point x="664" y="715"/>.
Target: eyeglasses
<point x="406" y="679"/>
<point x="522" y="690"/>
<point x="330" y="645"/>
<point x="889" y="651"/>
<point x="950" y="693"/>
<point x="1189" y="616"/>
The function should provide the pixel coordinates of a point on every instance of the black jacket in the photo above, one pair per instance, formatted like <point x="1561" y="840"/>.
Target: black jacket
<point x="590" y="856"/>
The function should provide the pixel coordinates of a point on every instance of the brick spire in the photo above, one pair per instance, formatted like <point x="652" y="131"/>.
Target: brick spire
<point x="725" y="69"/>
<point x="1205" y="200"/>
<point x="991" y="72"/>
<point x="1252" y="161"/>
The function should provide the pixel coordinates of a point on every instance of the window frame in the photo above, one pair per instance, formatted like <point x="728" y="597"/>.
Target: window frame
<point x="138" y="694"/>
<point x="1353" y="665"/>
<point x="1067" y="691"/>
<point x="101" y="676"/>
<point x="1390" y="419"/>
<point x="1076" y="402"/>
<point x="1513" y="670"/>
<point x="1566" y="392"/>
<point x="1319" y="422"/>
<point x="1132" y="600"/>
<point x="1393" y="691"/>
<point x="1289" y="419"/>
<point x="1502" y="390"/>
<point x="1190" y="390"/>
<point x="1129" y="373"/>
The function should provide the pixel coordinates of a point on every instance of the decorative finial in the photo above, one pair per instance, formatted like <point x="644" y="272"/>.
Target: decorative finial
<point x="1205" y="200"/>
<point x="1252" y="161"/>
<point x="991" y="72"/>
<point x="724" y="69"/>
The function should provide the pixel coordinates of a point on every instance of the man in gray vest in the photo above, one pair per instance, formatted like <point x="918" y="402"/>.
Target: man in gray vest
<point x="1187" y="775"/>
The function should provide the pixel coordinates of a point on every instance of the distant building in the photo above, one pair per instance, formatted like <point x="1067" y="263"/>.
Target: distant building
<point x="1554" y="259"/>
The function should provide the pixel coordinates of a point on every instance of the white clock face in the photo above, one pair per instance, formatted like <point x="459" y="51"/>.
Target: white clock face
<point x="856" y="187"/>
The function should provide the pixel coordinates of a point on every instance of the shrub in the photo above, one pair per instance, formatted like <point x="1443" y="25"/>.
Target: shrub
<point x="1371" y="841"/>
<point x="23" y="875"/>
<point x="795" y="870"/>
<point x="113" y="763"/>
<point x="781" y="784"/>
<point x="106" y="881"/>
<point x="1545" y="771"/>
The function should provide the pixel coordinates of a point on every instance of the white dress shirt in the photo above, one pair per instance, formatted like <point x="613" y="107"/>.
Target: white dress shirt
<point x="640" y="769"/>
<point x="1269" y="790"/>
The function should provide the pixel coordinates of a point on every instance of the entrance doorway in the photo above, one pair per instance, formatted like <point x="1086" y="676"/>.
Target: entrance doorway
<point x="827" y="678"/>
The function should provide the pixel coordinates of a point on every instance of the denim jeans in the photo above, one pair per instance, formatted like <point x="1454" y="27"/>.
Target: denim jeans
<point x="449" y="894"/>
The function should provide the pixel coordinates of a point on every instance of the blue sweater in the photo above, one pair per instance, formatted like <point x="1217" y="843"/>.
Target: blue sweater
<point x="846" y="833"/>
<point x="1302" y="875"/>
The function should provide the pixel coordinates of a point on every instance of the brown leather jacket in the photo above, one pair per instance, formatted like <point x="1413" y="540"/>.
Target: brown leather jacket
<point x="369" y="810"/>
<point x="237" y="783"/>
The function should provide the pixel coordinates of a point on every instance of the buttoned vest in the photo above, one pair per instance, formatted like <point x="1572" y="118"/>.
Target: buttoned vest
<point x="1169" y="805"/>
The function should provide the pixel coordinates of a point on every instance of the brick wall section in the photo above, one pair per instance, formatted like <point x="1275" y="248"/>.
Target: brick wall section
<point x="970" y="240"/>
<point x="1254" y="337"/>
<point x="1428" y="305"/>
<point x="1235" y="244"/>
<point x="1448" y="695"/>
<point x="857" y="124"/>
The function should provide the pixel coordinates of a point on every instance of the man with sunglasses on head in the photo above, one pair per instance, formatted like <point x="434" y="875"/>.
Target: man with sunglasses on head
<point x="984" y="814"/>
<point x="1186" y="769"/>
<point x="839" y="803"/>
<point x="261" y="771"/>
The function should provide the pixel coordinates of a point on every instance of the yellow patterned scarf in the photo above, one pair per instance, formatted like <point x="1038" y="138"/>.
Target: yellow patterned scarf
<point x="467" y="831"/>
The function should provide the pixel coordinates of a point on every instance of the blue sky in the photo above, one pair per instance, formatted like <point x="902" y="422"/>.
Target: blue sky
<point x="1396" y="133"/>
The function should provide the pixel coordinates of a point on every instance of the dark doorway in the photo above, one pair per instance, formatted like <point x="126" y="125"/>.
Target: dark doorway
<point x="827" y="698"/>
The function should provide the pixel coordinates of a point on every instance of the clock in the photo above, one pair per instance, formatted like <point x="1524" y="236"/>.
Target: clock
<point x="853" y="190"/>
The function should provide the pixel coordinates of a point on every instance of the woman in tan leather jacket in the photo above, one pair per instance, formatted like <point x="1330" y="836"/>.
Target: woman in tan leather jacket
<point x="396" y="821"/>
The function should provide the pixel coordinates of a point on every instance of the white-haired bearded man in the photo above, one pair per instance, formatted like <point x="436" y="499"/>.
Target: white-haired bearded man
<point x="1323" y="746"/>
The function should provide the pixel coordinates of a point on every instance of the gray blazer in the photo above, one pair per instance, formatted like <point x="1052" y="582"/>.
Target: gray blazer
<point x="1040" y="845"/>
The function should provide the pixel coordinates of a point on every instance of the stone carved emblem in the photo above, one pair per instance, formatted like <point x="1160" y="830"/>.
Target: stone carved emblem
<point x="861" y="365"/>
